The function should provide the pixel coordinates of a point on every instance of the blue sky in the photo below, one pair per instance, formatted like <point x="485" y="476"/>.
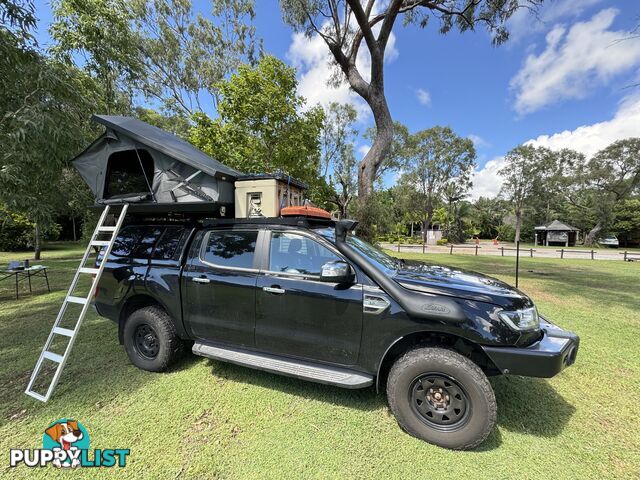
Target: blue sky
<point x="560" y="81"/>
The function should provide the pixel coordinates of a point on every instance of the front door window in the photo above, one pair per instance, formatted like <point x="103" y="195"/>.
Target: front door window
<point x="298" y="254"/>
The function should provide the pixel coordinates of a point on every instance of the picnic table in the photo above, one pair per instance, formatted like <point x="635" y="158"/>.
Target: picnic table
<point x="21" y="274"/>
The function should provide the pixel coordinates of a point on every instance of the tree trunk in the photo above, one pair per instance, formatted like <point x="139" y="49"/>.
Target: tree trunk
<point x="73" y="226"/>
<point x="518" y="225"/>
<point x="38" y="242"/>
<point x="592" y="236"/>
<point x="425" y="224"/>
<point x="371" y="162"/>
<point x="343" y="210"/>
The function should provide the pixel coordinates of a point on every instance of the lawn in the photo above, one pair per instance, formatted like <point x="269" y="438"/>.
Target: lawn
<point x="206" y="419"/>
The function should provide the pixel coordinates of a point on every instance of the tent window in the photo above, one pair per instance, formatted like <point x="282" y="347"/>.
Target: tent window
<point x="124" y="175"/>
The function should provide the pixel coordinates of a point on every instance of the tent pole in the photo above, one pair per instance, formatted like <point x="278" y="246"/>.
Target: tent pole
<point x="144" y="174"/>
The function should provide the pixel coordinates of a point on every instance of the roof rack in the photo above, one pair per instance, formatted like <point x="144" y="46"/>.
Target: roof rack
<point x="301" y="221"/>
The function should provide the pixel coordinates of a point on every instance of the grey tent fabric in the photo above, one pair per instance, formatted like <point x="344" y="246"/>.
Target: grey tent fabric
<point x="156" y="166"/>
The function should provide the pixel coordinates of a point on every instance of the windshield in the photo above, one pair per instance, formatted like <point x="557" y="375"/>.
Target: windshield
<point x="376" y="256"/>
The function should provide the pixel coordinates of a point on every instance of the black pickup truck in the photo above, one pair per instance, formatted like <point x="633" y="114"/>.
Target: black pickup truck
<point x="308" y="299"/>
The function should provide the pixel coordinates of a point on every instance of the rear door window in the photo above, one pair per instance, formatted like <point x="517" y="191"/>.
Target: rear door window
<point x="136" y="241"/>
<point x="230" y="249"/>
<point x="167" y="247"/>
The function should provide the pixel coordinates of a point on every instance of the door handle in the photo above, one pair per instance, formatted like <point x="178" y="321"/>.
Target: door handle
<point x="201" y="280"/>
<point x="276" y="290"/>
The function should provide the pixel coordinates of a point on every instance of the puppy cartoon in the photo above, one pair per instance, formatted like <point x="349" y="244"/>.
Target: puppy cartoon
<point x="66" y="434"/>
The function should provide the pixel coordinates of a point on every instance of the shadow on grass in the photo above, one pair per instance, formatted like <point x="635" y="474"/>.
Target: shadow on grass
<point x="525" y="405"/>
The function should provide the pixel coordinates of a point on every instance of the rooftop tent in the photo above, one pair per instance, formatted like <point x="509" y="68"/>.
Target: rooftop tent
<point x="134" y="162"/>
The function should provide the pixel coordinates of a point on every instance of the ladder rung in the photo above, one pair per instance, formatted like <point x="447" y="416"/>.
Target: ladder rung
<point x="54" y="357"/>
<point x="100" y="243"/>
<point x="35" y="395"/>
<point x="106" y="229"/>
<point x="79" y="300"/>
<point x="94" y="271"/>
<point x="63" y="331"/>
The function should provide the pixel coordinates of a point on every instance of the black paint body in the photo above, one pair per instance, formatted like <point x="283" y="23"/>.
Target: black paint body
<point x="322" y="321"/>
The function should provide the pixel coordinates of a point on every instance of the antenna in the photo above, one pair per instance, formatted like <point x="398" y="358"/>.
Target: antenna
<point x="517" y="261"/>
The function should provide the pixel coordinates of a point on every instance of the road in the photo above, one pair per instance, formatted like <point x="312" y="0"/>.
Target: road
<point x="487" y="248"/>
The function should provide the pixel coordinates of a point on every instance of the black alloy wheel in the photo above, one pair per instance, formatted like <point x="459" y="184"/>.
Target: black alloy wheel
<point x="440" y="401"/>
<point x="146" y="341"/>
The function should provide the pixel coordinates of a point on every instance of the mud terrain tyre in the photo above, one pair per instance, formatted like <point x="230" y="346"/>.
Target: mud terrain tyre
<point x="441" y="397"/>
<point x="150" y="339"/>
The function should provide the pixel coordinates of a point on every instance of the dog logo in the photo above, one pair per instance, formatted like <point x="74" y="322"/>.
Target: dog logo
<point x="65" y="444"/>
<point x="68" y="436"/>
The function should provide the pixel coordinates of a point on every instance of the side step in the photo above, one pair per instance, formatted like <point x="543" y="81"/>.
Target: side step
<point x="285" y="366"/>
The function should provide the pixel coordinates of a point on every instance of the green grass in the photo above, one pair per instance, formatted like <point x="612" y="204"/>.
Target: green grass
<point x="206" y="419"/>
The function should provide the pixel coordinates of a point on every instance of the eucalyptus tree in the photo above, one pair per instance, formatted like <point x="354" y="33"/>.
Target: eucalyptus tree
<point x="162" y="49"/>
<point x="186" y="54"/>
<point x="438" y="165"/>
<point x="605" y="181"/>
<point x="356" y="29"/>
<point x="98" y="36"/>
<point x="45" y="107"/>
<point x="528" y="173"/>
<point x="338" y="161"/>
<point x="263" y="125"/>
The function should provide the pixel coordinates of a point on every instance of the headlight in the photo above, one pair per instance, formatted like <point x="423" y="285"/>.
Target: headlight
<point x="526" y="319"/>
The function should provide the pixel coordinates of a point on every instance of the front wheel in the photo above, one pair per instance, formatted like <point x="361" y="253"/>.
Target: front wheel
<point x="150" y="339"/>
<point x="441" y="397"/>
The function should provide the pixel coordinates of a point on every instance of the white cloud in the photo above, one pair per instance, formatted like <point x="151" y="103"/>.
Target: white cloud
<point x="313" y="60"/>
<point x="524" y="23"/>
<point x="424" y="97"/>
<point x="486" y="181"/>
<point x="364" y="149"/>
<point x="587" y="139"/>
<point x="574" y="62"/>
<point x="478" y="141"/>
<point x="315" y="67"/>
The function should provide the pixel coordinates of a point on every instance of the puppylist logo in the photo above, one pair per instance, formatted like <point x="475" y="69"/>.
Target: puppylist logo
<point x="65" y="444"/>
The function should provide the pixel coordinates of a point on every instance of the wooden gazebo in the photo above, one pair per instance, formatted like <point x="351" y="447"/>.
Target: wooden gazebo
<point x="556" y="233"/>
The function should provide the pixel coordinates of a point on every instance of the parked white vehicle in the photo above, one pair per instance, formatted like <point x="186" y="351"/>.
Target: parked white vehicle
<point x="610" y="241"/>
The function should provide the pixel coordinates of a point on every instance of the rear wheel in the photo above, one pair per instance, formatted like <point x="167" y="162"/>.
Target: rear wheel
<point x="150" y="339"/>
<point x="441" y="397"/>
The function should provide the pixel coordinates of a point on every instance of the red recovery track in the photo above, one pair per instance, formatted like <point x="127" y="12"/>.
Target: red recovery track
<point x="305" y="212"/>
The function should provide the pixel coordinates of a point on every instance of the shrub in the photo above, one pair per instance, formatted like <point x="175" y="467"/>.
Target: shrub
<point x="506" y="232"/>
<point x="16" y="231"/>
<point x="442" y="241"/>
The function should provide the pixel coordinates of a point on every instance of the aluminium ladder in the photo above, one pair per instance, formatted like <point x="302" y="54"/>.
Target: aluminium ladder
<point x="61" y="360"/>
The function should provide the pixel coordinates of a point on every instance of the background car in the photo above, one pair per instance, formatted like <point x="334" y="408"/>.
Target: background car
<point x="610" y="241"/>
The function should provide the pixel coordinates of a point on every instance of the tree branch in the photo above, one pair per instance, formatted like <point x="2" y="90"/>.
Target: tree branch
<point x="365" y="28"/>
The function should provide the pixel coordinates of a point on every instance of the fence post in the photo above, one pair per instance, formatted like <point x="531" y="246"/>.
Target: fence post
<point x="562" y="253"/>
<point x="502" y="250"/>
<point x="451" y="250"/>
<point x="398" y="244"/>
<point x="625" y="255"/>
<point x="592" y="252"/>
<point x="531" y="252"/>
<point x="423" y="246"/>
<point x="476" y="250"/>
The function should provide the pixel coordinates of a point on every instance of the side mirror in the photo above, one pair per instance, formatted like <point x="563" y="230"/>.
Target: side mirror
<point x="337" y="272"/>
